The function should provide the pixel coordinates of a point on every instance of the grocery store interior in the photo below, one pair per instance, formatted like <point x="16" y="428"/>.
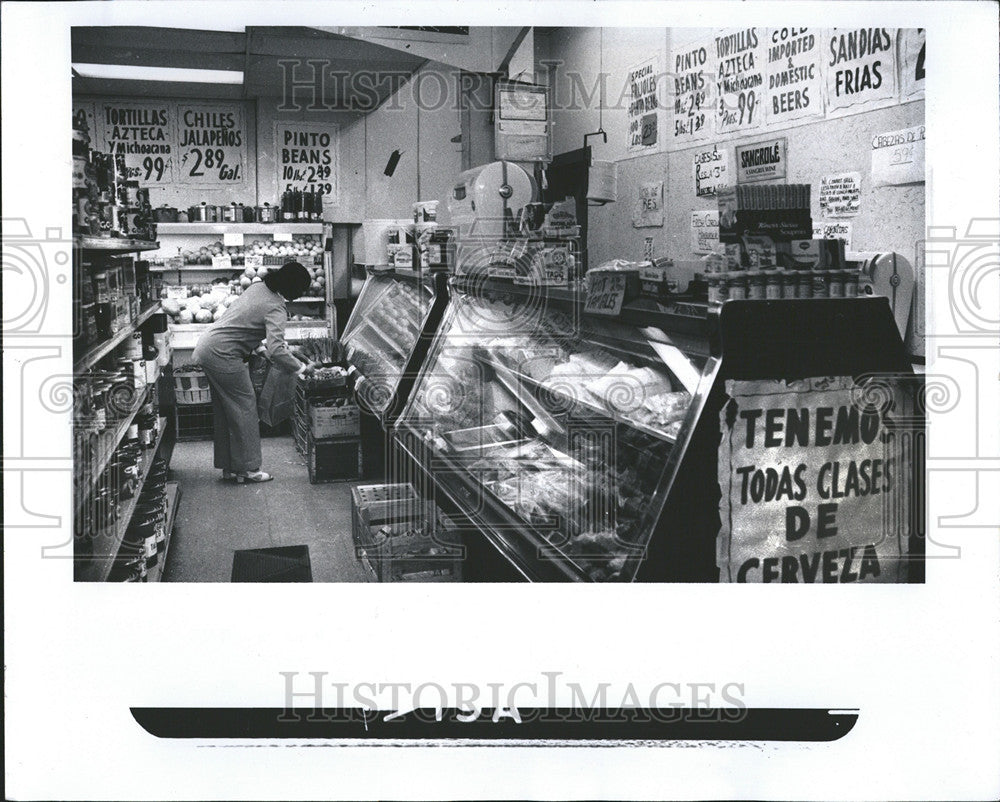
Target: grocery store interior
<point x="546" y="271"/>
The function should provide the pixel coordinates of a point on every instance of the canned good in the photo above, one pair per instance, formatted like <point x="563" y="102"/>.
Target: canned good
<point x="805" y="286"/>
<point x="789" y="286"/>
<point x="851" y="281"/>
<point x="820" y="284"/>
<point x="773" y="288"/>
<point x="837" y="284"/>
<point x="756" y="286"/>
<point x="737" y="289"/>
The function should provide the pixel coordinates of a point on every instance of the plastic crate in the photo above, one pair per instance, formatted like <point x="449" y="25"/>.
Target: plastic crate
<point x="191" y="387"/>
<point x="194" y="421"/>
<point x="333" y="460"/>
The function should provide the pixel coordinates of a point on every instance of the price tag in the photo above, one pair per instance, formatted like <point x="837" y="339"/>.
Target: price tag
<point x="254" y="260"/>
<point x="282" y="236"/>
<point x="234" y="239"/>
<point x="222" y="262"/>
<point x="177" y="292"/>
<point x="174" y="263"/>
<point x="605" y="293"/>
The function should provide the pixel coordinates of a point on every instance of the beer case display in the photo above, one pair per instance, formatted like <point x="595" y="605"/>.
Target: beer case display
<point x="382" y="336"/>
<point x="585" y="448"/>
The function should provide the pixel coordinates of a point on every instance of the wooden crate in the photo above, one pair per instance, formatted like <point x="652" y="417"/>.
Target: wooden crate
<point x="378" y="504"/>
<point x="333" y="460"/>
<point x="334" y="421"/>
<point x="405" y="551"/>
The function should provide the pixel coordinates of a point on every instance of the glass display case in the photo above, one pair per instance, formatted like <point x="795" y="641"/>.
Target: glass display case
<point x="580" y="447"/>
<point x="382" y="336"/>
<point x="554" y="426"/>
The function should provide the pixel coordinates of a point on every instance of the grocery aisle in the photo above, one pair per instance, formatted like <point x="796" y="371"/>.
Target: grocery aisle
<point x="216" y="518"/>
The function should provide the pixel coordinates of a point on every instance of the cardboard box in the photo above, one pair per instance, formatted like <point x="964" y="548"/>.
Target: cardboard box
<point x="338" y="421"/>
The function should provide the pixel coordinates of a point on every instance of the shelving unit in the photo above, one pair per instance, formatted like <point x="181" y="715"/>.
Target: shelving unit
<point x="240" y="228"/>
<point x="107" y="542"/>
<point x="116" y="244"/>
<point x="173" y="502"/>
<point x="98" y="352"/>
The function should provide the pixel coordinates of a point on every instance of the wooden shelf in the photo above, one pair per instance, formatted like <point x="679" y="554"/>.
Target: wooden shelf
<point x="116" y="244"/>
<point x="98" y="352"/>
<point x="97" y="568"/>
<point x="240" y="228"/>
<point x="193" y="268"/>
<point x="173" y="502"/>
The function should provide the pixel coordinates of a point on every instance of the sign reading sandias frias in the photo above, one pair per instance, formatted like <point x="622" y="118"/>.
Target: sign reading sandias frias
<point x="811" y="485"/>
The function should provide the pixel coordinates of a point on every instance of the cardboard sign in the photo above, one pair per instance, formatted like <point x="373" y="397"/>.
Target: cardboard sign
<point x="811" y="482"/>
<point x="794" y="74"/>
<point x="212" y="143"/>
<point x="224" y="262"/>
<point x="705" y="231"/>
<point x="605" y="292"/>
<point x="644" y="113"/>
<point x="763" y="161"/>
<point x="898" y="157"/>
<point x="840" y="195"/>
<point x="711" y="171"/>
<point x="740" y="60"/>
<point x="232" y="239"/>
<point x="648" y="211"/>
<point x="861" y="66"/>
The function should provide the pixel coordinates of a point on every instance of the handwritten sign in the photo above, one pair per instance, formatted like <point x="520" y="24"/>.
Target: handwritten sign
<point x="711" y="171"/>
<point x="705" y="231"/>
<point x="912" y="52"/>
<point x="144" y="133"/>
<point x="740" y="61"/>
<point x="811" y="485"/>
<point x="840" y="195"/>
<point x="306" y="157"/>
<point x="861" y="66"/>
<point x="834" y="229"/>
<point x="898" y="157"/>
<point x="211" y="143"/>
<point x="691" y="91"/>
<point x="763" y="161"/>
<point x="644" y="105"/>
<point x="794" y="74"/>
<point x="605" y="292"/>
<point x="648" y="210"/>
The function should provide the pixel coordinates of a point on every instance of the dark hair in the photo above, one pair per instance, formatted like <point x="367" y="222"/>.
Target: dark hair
<point x="291" y="280"/>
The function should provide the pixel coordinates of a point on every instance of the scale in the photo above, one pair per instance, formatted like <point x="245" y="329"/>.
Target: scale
<point x="889" y="275"/>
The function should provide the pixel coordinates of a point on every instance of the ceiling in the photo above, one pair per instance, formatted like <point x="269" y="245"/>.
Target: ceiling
<point x="356" y="76"/>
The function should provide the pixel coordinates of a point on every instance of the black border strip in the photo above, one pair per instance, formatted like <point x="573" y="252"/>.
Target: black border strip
<point x="557" y="724"/>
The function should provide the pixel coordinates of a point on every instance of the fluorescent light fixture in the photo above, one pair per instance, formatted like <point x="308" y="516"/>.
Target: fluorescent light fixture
<point x="126" y="72"/>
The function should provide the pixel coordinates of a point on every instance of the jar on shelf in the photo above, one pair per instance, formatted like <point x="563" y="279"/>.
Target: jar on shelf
<point x="836" y="284"/>
<point x="820" y="284"/>
<point x="851" y="282"/>
<point x="756" y="285"/>
<point x="789" y="285"/>
<point x="805" y="285"/>
<point x="773" y="288"/>
<point x="737" y="288"/>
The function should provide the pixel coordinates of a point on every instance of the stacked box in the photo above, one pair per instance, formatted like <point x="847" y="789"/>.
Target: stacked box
<point x="333" y="459"/>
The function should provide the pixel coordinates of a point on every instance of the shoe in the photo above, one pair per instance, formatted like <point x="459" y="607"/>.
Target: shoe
<point x="228" y="476"/>
<point x="256" y="476"/>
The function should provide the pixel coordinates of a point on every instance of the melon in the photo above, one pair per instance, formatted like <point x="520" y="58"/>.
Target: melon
<point x="218" y="313"/>
<point x="244" y="281"/>
<point x="171" y="307"/>
<point x="249" y="272"/>
<point x="202" y="316"/>
<point x="255" y="280"/>
<point x="185" y="316"/>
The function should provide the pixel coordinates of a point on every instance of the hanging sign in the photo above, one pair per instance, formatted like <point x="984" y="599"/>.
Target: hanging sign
<point x="691" y="92"/>
<point x="763" y="161"/>
<point x="794" y="74"/>
<point x="861" y="66"/>
<point x="705" y="231"/>
<point x="144" y="133"/>
<point x="212" y="144"/>
<point x="912" y="50"/>
<point x="711" y="170"/>
<point x="811" y="485"/>
<point x="644" y="111"/>
<point x="740" y="60"/>
<point x="898" y="157"/>
<point x="305" y="156"/>
<point x="648" y="210"/>
<point x="840" y="195"/>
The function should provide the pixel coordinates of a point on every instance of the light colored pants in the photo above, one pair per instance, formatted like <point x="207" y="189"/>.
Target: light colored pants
<point x="237" y="427"/>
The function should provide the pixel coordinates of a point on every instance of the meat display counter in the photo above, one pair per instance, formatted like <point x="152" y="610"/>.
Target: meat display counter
<point x="587" y="448"/>
<point x="383" y="337"/>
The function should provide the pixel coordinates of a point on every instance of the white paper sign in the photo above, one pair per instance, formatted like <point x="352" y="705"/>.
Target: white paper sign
<point x="740" y="58"/>
<point x="912" y="48"/>
<point x="834" y="229"/>
<point x="232" y="238"/>
<point x="711" y="171"/>
<point x="898" y="157"/>
<point x="794" y="74"/>
<point x="648" y="210"/>
<point x="840" y="195"/>
<point x="644" y="111"/>
<point x="704" y="231"/>
<point x="861" y="66"/>
<point x="691" y="89"/>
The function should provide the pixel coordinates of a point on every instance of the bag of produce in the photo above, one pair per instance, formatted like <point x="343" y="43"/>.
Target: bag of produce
<point x="277" y="399"/>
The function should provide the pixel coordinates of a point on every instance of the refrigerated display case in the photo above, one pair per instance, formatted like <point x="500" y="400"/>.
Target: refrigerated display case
<point x="585" y="448"/>
<point x="383" y="337"/>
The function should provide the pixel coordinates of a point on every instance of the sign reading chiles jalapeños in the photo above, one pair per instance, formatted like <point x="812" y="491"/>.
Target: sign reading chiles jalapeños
<point x="811" y="485"/>
<point x="212" y="143"/>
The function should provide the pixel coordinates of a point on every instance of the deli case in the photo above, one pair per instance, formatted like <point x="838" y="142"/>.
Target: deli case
<point x="579" y="447"/>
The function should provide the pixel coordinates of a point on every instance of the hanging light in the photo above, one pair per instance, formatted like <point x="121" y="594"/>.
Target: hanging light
<point x="602" y="176"/>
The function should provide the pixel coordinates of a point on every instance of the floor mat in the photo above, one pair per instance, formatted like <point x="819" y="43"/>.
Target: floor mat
<point x="276" y="564"/>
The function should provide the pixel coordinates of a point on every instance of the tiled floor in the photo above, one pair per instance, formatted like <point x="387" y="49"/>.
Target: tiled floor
<point x="216" y="518"/>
